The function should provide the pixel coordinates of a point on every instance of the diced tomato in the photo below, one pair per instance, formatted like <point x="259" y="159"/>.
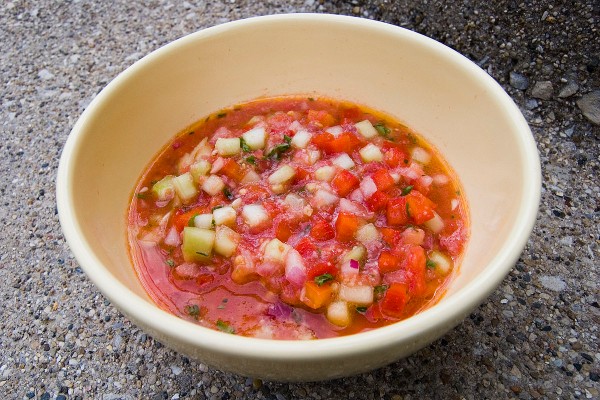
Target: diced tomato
<point x="321" y="117"/>
<point x="419" y="207"/>
<point x="373" y="313"/>
<point x="345" y="182"/>
<point x="415" y="263"/>
<point x="241" y="274"/>
<point x="272" y="207"/>
<point x="322" y="140"/>
<point x="394" y="157"/>
<point x="316" y="296"/>
<point x="396" y="297"/>
<point x="306" y="247"/>
<point x="322" y="230"/>
<point x="182" y="220"/>
<point x="383" y="180"/>
<point x="233" y="170"/>
<point x="391" y="236"/>
<point x="396" y="211"/>
<point x="315" y="270"/>
<point x="389" y="262"/>
<point x="346" y="226"/>
<point x="255" y="193"/>
<point x="378" y="201"/>
<point x="301" y="174"/>
<point x="351" y="115"/>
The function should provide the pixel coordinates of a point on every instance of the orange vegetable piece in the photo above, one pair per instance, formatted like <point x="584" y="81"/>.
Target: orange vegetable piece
<point x="316" y="296"/>
<point x="322" y="230"/>
<point x="233" y="170"/>
<point x="388" y="262"/>
<point x="396" y="297"/>
<point x="345" y="226"/>
<point x="419" y="207"/>
<point x="396" y="211"/>
<point x="383" y="180"/>
<point x="345" y="182"/>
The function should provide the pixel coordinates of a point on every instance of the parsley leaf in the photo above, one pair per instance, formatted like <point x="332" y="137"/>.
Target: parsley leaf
<point x="322" y="279"/>
<point x="141" y="195"/>
<point x="221" y="115"/>
<point x="191" y="220"/>
<point x="277" y="151"/>
<point x="383" y="130"/>
<point x="379" y="291"/>
<point x="407" y="190"/>
<point x="361" y="309"/>
<point x="202" y="254"/>
<point x="170" y="262"/>
<point x="227" y="193"/>
<point x="225" y="327"/>
<point x="192" y="311"/>
<point x="430" y="264"/>
<point x="251" y="160"/>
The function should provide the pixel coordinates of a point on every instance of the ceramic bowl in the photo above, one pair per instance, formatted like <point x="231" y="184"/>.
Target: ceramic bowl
<point x="434" y="90"/>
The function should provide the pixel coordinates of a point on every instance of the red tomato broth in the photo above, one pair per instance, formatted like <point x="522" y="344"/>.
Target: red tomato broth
<point x="244" y="293"/>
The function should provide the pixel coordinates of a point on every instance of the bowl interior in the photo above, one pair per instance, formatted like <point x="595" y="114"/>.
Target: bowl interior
<point x="432" y="89"/>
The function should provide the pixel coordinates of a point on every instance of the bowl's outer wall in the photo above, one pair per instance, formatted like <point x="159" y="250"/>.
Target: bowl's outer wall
<point x="432" y="89"/>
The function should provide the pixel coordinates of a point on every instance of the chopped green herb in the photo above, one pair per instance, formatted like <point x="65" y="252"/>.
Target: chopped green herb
<point x="407" y="210"/>
<point x="361" y="309"/>
<point x="202" y="254"/>
<point x="170" y="262"/>
<point x="251" y="160"/>
<point x="244" y="146"/>
<point x="457" y="192"/>
<point x="407" y="190"/>
<point x="227" y="193"/>
<point x="383" y="130"/>
<point x="193" y="311"/>
<point x="141" y="195"/>
<point x="216" y="207"/>
<point x="225" y="327"/>
<point x="430" y="264"/>
<point x="277" y="151"/>
<point x="379" y="291"/>
<point x="322" y="279"/>
<point x="221" y="115"/>
<point x="412" y="138"/>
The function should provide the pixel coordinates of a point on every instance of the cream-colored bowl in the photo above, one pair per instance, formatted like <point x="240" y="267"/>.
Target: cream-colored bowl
<point x="433" y="89"/>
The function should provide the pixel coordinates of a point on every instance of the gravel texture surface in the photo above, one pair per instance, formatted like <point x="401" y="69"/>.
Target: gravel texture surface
<point x="537" y="336"/>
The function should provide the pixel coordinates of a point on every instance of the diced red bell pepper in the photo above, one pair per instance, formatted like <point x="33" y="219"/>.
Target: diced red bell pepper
<point x="391" y="236"/>
<point x="283" y="230"/>
<point x="322" y="117"/>
<point x="346" y="226"/>
<point x="301" y="173"/>
<point x="322" y="230"/>
<point x="383" y="180"/>
<point x="233" y="170"/>
<point x="345" y="182"/>
<point x="396" y="211"/>
<point x="415" y="263"/>
<point x="418" y="207"/>
<point x="396" y="297"/>
<point x="350" y="115"/>
<point x="378" y="201"/>
<point x="388" y="262"/>
<point x="315" y="270"/>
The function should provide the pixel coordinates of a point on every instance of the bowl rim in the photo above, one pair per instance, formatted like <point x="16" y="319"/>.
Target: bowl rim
<point x="445" y="313"/>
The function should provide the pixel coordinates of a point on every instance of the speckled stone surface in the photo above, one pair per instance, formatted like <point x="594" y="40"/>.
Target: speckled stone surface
<point x="537" y="336"/>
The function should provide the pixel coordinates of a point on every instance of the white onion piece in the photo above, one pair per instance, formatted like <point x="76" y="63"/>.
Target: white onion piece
<point x="435" y="224"/>
<point x="361" y="295"/>
<point x="367" y="187"/>
<point x="355" y="208"/>
<point x="347" y="269"/>
<point x="420" y="155"/>
<point x="324" y="198"/>
<point x="454" y="204"/>
<point x="172" y="238"/>
<point x="425" y="181"/>
<point x="335" y="130"/>
<point x="440" y="179"/>
<point x="356" y="196"/>
<point x="295" y="270"/>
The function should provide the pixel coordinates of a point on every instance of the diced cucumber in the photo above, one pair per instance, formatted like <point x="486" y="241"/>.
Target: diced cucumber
<point x="226" y="241"/>
<point x="164" y="189"/>
<point x="197" y="244"/>
<point x="357" y="253"/>
<point x="282" y="174"/>
<point x="275" y="251"/>
<point x="228" y="146"/>
<point x="371" y="153"/>
<point x="325" y="173"/>
<point x="366" y="129"/>
<point x="367" y="233"/>
<point x="344" y="161"/>
<point x="440" y="262"/>
<point x="359" y="295"/>
<point x="301" y="139"/>
<point x="255" y="214"/>
<point x="338" y="314"/>
<point x="255" y="138"/>
<point x="213" y="185"/>
<point x="224" y="216"/>
<point x="203" y="221"/>
<point x="184" y="186"/>
<point x="200" y="168"/>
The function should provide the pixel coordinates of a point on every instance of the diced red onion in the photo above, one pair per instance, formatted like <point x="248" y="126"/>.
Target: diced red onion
<point x="354" y="264"/>
<point x="357" y="209"/>
<point x="217" y="165"/>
